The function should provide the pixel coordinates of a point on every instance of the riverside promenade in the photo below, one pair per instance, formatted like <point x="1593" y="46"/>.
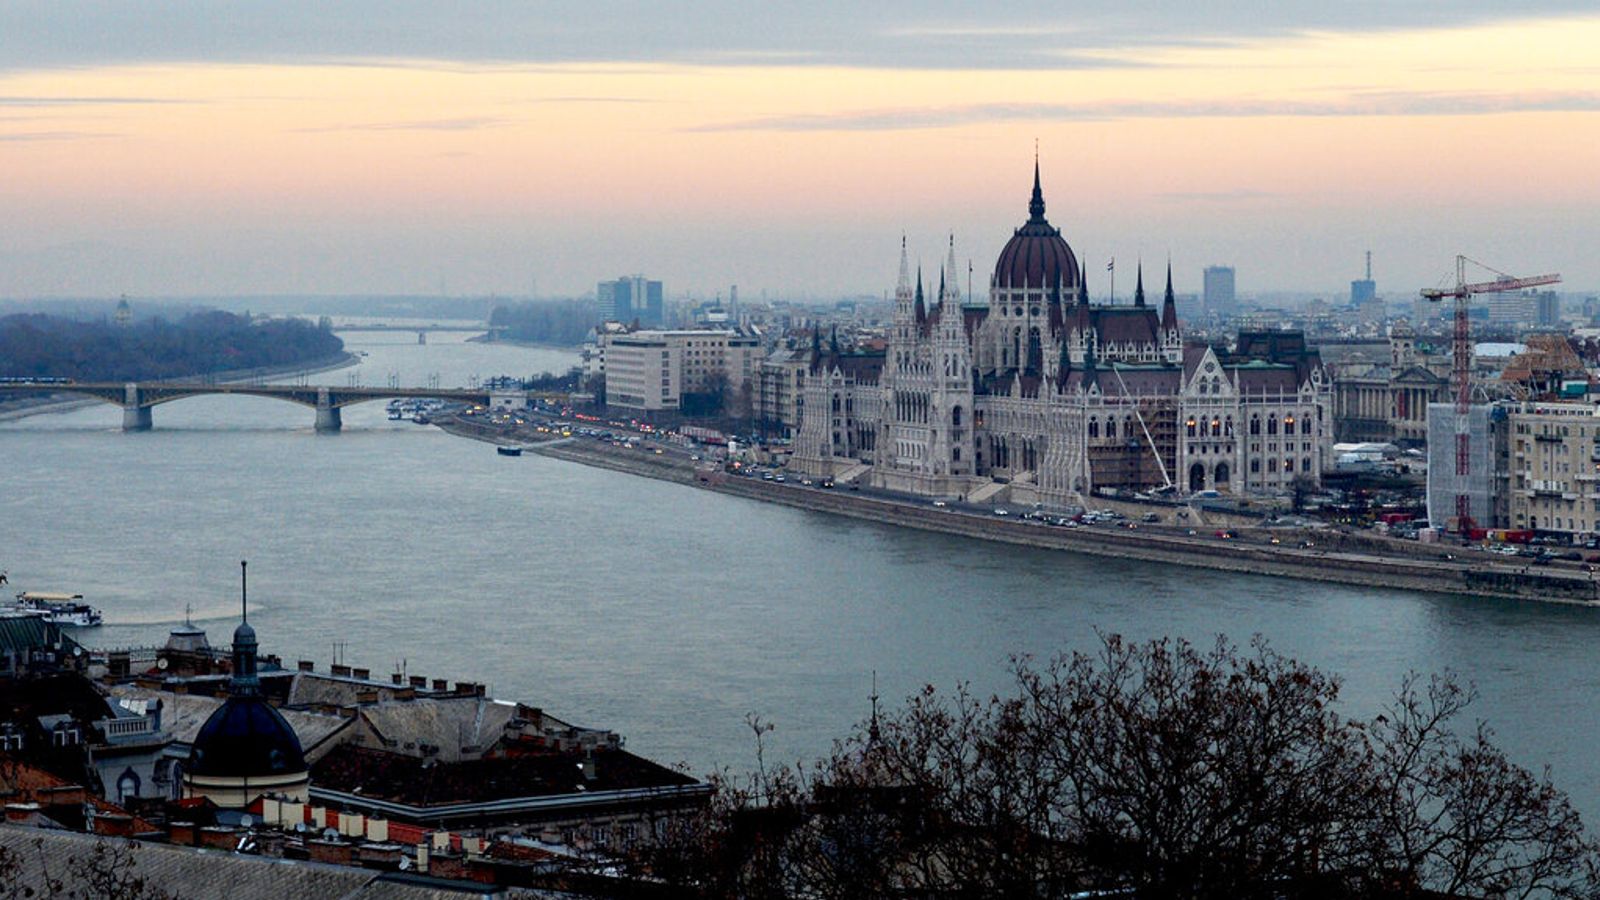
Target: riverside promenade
<point x="1333" y="557"/>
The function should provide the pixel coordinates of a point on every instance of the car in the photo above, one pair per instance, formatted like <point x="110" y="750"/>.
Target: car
<point x="827" y="482"/>
<point x="778" y="479"/>
<point x="1274" y="541"/>
<point x="940" y="503"/>
<point x="1150" y="518"/>
<point x="806" y="482"/>
<point x="1224" y="535"/>
<point x="1001" y="512"/>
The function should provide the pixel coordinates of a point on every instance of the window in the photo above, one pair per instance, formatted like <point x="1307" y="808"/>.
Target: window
<point x="1255" y="467"/>
<point x="1255" y="425"/>
<point x="1272" y="424"/>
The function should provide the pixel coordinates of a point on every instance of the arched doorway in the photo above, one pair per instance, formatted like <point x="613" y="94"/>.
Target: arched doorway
<point x="1221" y="476"/>
<point x="1197" y="477"/>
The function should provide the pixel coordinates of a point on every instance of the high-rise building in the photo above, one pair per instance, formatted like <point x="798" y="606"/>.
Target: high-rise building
<point x="631" y="297"/>
<point x="1219" y="299"/>
<point x="1548" y="308"/>
<point x="1364" y="290"/>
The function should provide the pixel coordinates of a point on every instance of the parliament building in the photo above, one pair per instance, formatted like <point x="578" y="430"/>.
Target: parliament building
<point x="1040" y="396"/>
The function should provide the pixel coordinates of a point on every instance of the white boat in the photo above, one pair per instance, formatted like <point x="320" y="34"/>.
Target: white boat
<point x="58" y="609"/>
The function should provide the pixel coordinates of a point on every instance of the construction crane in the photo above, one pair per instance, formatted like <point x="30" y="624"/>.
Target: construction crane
<point x="1461" y="370"/>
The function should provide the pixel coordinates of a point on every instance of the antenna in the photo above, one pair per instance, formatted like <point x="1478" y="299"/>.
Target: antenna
<point x="1369" y="265"/>
<point x="244" y="590"/>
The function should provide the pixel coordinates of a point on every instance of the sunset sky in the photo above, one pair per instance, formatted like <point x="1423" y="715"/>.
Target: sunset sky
<point x="188" y="148"/>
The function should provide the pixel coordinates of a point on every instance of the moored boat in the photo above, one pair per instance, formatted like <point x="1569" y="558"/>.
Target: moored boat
<point x="508" y="451"/>
<point x="56" y="608"/>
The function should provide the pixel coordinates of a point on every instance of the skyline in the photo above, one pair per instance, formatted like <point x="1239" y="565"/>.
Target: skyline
<point x="290" y="149"/>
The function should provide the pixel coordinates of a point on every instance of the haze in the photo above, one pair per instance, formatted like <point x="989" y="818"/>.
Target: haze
<point x="259" y="148"/>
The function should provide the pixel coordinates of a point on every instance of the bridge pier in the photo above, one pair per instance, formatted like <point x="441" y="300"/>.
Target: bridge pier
<point x="136" y="418"/>
<point x="328" y="419"/>
<point x="135" y="414"/>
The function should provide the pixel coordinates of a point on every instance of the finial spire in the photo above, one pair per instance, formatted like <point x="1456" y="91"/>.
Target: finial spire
<point x="244" y="590"/>
<point x="1138" y="291"/>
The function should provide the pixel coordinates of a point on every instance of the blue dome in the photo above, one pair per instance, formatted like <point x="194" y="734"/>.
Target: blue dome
<point x="246" y="738"/>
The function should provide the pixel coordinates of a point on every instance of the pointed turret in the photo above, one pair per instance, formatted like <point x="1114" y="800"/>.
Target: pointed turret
<point x="1091" y="375"/>
<point x="816" y="346"/>
<point x="833" y="341"/>
<point x="1169" y="305"/>
<point x="1138" y="291"/>
<point x="921" y="308"/>
<point x="1083" y="282"/>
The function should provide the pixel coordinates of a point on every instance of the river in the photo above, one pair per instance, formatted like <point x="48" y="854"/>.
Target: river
<point x="661" y="611"/>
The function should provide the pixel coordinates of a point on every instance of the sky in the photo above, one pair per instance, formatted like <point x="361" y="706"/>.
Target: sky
<point x="189" y="148"/>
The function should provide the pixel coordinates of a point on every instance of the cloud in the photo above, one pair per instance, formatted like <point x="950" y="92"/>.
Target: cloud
<point x="465" y="123"/>
<point x="1240" y="195"/>
<point x="1031" y="34"/>
<point x="34" y="102"/>
<point x="29" y="136"/>
<point x="1373" y="103"/>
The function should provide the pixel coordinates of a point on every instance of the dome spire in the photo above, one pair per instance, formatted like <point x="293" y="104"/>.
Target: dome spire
<point x="245" y="682"/>
<point x="1036" y="204"/>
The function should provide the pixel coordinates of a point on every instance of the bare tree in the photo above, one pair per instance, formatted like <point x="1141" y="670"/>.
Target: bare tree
<point x="1155" y="770"/>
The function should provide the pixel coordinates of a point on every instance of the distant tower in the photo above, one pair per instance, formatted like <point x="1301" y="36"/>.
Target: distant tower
<point x="124" y="316"/>
<point x="1219" y="290"/>
<point x="1364" y="290"/>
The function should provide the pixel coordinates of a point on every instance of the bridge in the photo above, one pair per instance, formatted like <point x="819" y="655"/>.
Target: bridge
<point x="138" y="399"/>
<point x="419" y="329"/>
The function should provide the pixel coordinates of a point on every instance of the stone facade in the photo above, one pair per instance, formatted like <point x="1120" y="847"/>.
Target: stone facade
<point x="1052" y="397"/>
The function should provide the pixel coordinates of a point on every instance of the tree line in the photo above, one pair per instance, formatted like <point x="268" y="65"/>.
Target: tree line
<point x="37" y="345"/>
<point x="1156" y="770"/>
<point x="547" y="321"/>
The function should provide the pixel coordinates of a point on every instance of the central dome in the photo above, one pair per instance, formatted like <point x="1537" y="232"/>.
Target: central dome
<point x="1037" y="256"/>
<point x="246" y="738"/>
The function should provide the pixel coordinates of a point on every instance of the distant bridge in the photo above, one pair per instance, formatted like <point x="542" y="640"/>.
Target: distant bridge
<point x="137" y="399"/>
<point x="419" y="329"/>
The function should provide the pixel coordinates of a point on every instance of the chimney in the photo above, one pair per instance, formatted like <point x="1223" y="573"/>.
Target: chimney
<point x="307" y="665"/>
<point x="363" y="674"/>
<point x="397" y="679"/>
<point x="441" y="685"/>
<point x="417" y="681"/>
<point x="341" y="671"/>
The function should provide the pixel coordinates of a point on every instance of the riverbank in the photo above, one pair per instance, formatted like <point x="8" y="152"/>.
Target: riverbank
<point x="1332" y="557"/>
<point x="60" y="403"/>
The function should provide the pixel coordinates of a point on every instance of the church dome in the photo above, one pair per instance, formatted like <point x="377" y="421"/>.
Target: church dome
<point x="1036" y="256"/>
<point x="246" y="738"/>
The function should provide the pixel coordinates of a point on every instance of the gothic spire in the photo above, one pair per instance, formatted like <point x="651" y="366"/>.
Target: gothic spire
<point x="950" y="272"/>
<point x="921" y="308"/>
<point x="1169" y="305"/>
<point x="1138" y="291"/>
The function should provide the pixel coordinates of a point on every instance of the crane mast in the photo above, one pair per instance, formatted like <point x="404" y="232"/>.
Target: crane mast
<point x="1461" y="368"/>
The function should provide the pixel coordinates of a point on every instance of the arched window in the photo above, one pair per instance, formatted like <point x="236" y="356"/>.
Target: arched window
<point x="1094" y="428"/>
<point x="1288" y="424"/>
<point x="1127" y="427"/>
<point x="1305" y="464"/>
<point x="1288" y="464"/>
<point x="1255" y="424"/>
<point x="1197" y="477"/>
<point x="1216" y="428"/>
<point x="1272" y="424"/>
<point x="955" y="417"/>
<point x="1227" y="426"/>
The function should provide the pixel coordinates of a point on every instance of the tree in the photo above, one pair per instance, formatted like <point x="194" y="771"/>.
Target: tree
<point x="1156" y="770"/>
